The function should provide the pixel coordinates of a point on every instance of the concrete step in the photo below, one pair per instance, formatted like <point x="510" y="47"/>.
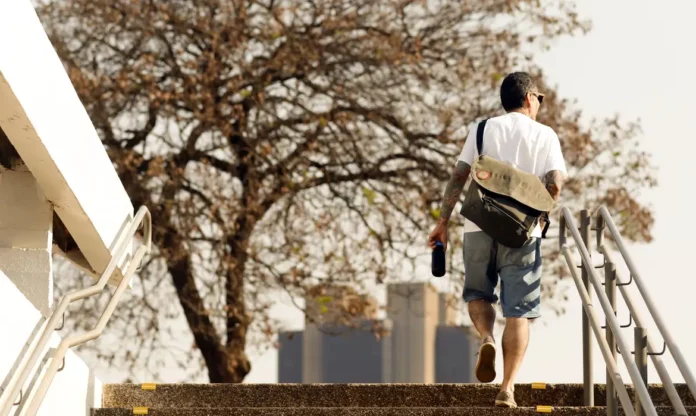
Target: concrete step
<point x="343" y="411"/>
<point x="195" y="396"/>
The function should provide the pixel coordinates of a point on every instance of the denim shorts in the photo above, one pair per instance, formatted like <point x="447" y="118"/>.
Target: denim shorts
<point x="519" y="270"/>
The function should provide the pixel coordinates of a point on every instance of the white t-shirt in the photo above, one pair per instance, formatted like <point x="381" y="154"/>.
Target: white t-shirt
<point x="516" y="139"/>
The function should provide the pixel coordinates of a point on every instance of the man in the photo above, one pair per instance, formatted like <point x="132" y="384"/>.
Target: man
<point x="518" y="139"/>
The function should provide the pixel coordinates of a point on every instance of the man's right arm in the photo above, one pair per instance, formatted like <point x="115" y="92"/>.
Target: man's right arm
<point x="454" y="188"/>
<point x="554" y="182"/>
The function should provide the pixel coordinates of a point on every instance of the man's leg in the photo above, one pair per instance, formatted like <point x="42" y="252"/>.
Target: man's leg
<point x="479" y="287"/>
<point x="482" y="315"/>
<point x="520" y="295"/>
<point x="515" y="341"/>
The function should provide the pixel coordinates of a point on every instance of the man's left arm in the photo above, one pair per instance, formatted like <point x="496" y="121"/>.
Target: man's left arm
<point x="554" y="183"/>
<point x="556" y="173"/>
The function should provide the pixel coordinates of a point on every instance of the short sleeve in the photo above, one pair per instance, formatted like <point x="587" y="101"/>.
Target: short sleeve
<point x="554" y="160"/>
<point x="469" y="149"/>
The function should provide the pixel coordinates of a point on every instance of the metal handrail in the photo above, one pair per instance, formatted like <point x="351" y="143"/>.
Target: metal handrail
<point x="639" y="386"/>
<point x="662" y="372"/>
<point x="654" y="313"/>
<point x="32" y="355"/>
<point x="612" y="368"/>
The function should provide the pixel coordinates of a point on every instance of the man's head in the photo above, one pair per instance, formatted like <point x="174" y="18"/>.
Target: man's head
<point x="519" y="93"/>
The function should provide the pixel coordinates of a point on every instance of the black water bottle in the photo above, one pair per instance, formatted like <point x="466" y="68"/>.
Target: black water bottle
<point x="438" y="261"/>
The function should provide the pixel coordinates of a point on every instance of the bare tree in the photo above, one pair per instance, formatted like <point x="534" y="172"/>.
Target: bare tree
<point x="285" y="144"/>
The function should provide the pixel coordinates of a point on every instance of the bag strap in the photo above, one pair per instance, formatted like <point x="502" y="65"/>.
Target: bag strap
<point x="547" y="223"/>
<point x="479" y="136"/>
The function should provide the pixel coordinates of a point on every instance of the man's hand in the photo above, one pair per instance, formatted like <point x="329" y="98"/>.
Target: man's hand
<point x="438" y="234"/>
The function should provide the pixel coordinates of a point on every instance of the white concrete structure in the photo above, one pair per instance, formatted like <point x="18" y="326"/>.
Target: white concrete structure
<point x="75" y="389"/>
<point x="44" y="119"/>
<point x="61" y="167"/>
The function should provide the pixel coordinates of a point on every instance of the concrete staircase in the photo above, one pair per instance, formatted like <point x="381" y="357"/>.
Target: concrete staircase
<point x="356" y="400"/>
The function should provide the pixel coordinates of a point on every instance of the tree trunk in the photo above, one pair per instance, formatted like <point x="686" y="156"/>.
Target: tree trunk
<point x="235" y="304"/>
<point x="220" y="368"/>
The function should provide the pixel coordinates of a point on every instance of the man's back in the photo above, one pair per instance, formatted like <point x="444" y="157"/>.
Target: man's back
<point x="516" y="139"/>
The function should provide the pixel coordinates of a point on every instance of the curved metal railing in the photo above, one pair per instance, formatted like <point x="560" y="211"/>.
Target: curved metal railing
<point x="33" y="398"/>
<point x="637" y="369"/>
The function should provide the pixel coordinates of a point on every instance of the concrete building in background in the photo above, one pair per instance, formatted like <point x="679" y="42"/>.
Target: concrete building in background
<point x="420" y="342"/>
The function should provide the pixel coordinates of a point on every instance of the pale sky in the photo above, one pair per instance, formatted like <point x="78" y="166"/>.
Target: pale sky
<point x="637" y="62"/>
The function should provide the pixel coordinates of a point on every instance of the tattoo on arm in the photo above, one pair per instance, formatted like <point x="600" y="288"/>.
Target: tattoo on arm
<point x="554" y="182"/>
<point x="454" y="189"/>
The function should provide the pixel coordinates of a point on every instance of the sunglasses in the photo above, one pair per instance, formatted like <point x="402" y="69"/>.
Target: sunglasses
<point x="539" y="96"/>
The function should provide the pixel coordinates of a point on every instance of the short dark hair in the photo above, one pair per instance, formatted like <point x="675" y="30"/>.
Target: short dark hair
<point x="514" y="90"/>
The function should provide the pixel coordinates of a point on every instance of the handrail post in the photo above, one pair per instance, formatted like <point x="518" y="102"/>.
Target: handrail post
<point x="599" y="228"/>
<point x="641" y="346"/>
<point x="588" y="383"/>
<point x="610" y="288"/>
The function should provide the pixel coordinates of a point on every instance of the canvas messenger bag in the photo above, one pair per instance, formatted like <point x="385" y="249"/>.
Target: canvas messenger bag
<point x="505" y="202"/>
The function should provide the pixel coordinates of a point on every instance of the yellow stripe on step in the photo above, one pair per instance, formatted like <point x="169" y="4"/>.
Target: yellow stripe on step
<point x="539" y="386"/>
<point x="140" y="410"/>
<point x="544" y="409"/>
<point x="148" y="386"/>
